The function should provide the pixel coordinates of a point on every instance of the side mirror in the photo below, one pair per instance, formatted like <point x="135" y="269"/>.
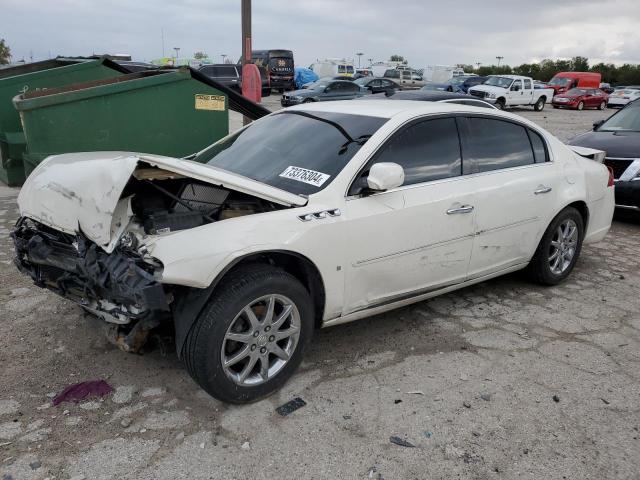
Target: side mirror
<point x="597" y="124"/>
<point x="515" y="88"/>
<point x="327" y="90"/>
<point x="385" y="176"/>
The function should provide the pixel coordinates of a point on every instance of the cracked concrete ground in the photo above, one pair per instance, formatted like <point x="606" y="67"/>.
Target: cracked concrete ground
<point x="504" y="380"/>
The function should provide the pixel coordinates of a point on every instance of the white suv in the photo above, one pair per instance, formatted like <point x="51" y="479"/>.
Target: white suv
<point x="312" y="216"/>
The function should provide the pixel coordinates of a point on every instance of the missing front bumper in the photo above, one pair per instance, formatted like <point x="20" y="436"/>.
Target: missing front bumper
<point x="120" y="287"/>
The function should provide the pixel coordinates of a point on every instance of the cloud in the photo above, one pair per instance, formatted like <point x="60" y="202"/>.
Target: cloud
<point x="465" y="31"/>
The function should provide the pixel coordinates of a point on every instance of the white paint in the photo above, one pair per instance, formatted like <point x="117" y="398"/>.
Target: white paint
<point x="388" y="244"/>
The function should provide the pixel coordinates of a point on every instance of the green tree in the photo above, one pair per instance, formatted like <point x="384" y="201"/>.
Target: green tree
<point x="200" y="55"/>
<point x="397" y="58"/>
<point x="580" y="64"/>
<point x="5" y="52"/>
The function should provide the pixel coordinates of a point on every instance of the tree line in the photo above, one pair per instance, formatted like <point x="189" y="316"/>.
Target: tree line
<point x="627" y="74"/>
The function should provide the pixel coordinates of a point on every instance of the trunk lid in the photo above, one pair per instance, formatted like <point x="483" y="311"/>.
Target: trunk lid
<point x="80" y="191"/>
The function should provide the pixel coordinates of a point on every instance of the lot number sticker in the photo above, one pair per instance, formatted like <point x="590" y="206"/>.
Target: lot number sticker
<point x="210" y="102"/>
<point x="307" y="176"/>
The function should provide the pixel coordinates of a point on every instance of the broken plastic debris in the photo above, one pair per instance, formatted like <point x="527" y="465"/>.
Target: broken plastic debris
<point x="416" y="392"/>
<point x="82" y="390"/>
<point x="402" y="443"/>
<point x="291" y="406"/>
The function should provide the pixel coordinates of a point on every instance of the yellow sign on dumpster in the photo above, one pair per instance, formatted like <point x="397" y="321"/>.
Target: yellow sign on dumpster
<point x="209" y="102"/>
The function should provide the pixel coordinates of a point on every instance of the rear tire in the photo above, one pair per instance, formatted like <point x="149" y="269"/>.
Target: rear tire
<point x="226" y="331"/>
<point x="559" y="248"/>
<point x="539" y="105"/>
<point x="580" y="106"/>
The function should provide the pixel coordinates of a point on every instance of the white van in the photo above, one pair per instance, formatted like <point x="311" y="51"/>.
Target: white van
<point x="332" y="68"/>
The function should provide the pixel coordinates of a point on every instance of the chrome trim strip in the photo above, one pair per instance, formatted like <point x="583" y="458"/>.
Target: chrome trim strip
<point x="628" y="207"/>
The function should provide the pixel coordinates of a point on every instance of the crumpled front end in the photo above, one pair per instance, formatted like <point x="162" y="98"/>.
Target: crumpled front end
<point x="120" y="287"/>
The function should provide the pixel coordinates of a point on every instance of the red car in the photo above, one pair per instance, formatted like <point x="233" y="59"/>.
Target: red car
<point x="581" y="98"/>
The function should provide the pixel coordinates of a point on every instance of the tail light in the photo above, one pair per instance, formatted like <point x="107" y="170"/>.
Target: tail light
<point x="611" y="181"/>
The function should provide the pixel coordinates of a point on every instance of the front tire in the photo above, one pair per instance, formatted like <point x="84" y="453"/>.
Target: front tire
<point x="559" y="248"/>
<point x="602" y="105"/>
<point x="500" y="104"/>
<point x="251" y="335"/>
<point x="581" y="106"/>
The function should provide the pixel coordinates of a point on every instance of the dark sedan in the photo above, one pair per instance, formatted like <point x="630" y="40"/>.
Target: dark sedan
<point x="445" y="97"/>
<point x="619" y="136"/>
<point x="378" y="85"/>
<point x="226" y="74"/>
<point x="463" y="83"/>
<point x="322" y="91"/>
<point x="581" y="98"/>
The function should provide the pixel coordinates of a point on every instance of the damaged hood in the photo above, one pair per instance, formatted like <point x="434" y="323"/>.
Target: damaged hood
<point x="80" y="191"/>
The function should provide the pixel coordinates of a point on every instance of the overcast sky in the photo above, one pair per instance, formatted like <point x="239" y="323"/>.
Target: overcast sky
<point x="425" y="32"/>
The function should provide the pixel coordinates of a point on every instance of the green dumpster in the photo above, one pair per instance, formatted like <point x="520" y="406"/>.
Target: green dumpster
<point x="165" y="112"/>
<point x="32" y="77"/>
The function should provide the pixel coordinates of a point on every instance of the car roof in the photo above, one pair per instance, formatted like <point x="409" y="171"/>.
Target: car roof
<point x="382" y="109"/>
<point x="430" y="95"/>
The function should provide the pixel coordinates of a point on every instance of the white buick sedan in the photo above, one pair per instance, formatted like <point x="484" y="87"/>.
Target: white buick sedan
<point x="310" y="217"/>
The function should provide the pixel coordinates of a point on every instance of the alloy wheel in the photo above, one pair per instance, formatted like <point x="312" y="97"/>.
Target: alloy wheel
<point x="261" y="340"/>
<point x="563" y="247"/>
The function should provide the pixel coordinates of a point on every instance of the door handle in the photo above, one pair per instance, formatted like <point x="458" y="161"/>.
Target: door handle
<point x="461" y="209"/>
<point x="542" y="189"/>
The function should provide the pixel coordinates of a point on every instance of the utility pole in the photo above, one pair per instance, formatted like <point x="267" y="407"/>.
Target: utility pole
<point x="478" y="65"/>
<point x="162" y="38"/>
<point x="224" y="57"/>
<point x="177" y="49"/>
<point x="359" y="54"/>
<point x="246" y="39"/>
<point x="499" y="58"/>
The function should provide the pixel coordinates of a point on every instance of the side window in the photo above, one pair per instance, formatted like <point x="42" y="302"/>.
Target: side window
<point x="496" y="144"/>
<point x="517" y="85"/>
<point x="527" y="84"/>
<point x="375" y="83"/>
<point x="427" y="151"/>
<point x="350" y="87"/>
<point x="539" y="150"/>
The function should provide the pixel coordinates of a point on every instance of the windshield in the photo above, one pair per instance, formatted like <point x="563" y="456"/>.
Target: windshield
<point x="503" y="82"/>
<point x="559" y="81"/>
<point x="577" y="91"/>
<point x="626" y="120"/>
<point x="295" y="151"/>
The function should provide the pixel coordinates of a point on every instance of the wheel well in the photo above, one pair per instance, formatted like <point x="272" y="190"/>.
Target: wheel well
<point x="297" y="265"/>
<point x="584" y="212"/>
<point x="543" y="97"/>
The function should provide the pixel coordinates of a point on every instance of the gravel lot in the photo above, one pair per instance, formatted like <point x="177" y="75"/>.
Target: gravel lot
<point x="503" y="380"/>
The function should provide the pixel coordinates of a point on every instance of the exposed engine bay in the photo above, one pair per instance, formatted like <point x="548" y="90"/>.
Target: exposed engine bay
<point x="120" y="283"/>
<point x="164" y="202"/>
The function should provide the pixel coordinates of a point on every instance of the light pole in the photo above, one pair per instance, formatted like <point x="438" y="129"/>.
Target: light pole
<point x="359" y="54"/>
<point x="177" y="49"/>
<point x="499" y="58"/>
<point x="224" y="57"/>
<point x="478" y="65"/>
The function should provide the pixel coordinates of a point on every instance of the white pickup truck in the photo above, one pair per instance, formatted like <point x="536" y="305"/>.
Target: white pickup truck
<point x="512" y="90"/>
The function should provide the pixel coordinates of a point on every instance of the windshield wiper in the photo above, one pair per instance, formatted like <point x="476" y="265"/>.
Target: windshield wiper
<point x="336" y="125"/>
